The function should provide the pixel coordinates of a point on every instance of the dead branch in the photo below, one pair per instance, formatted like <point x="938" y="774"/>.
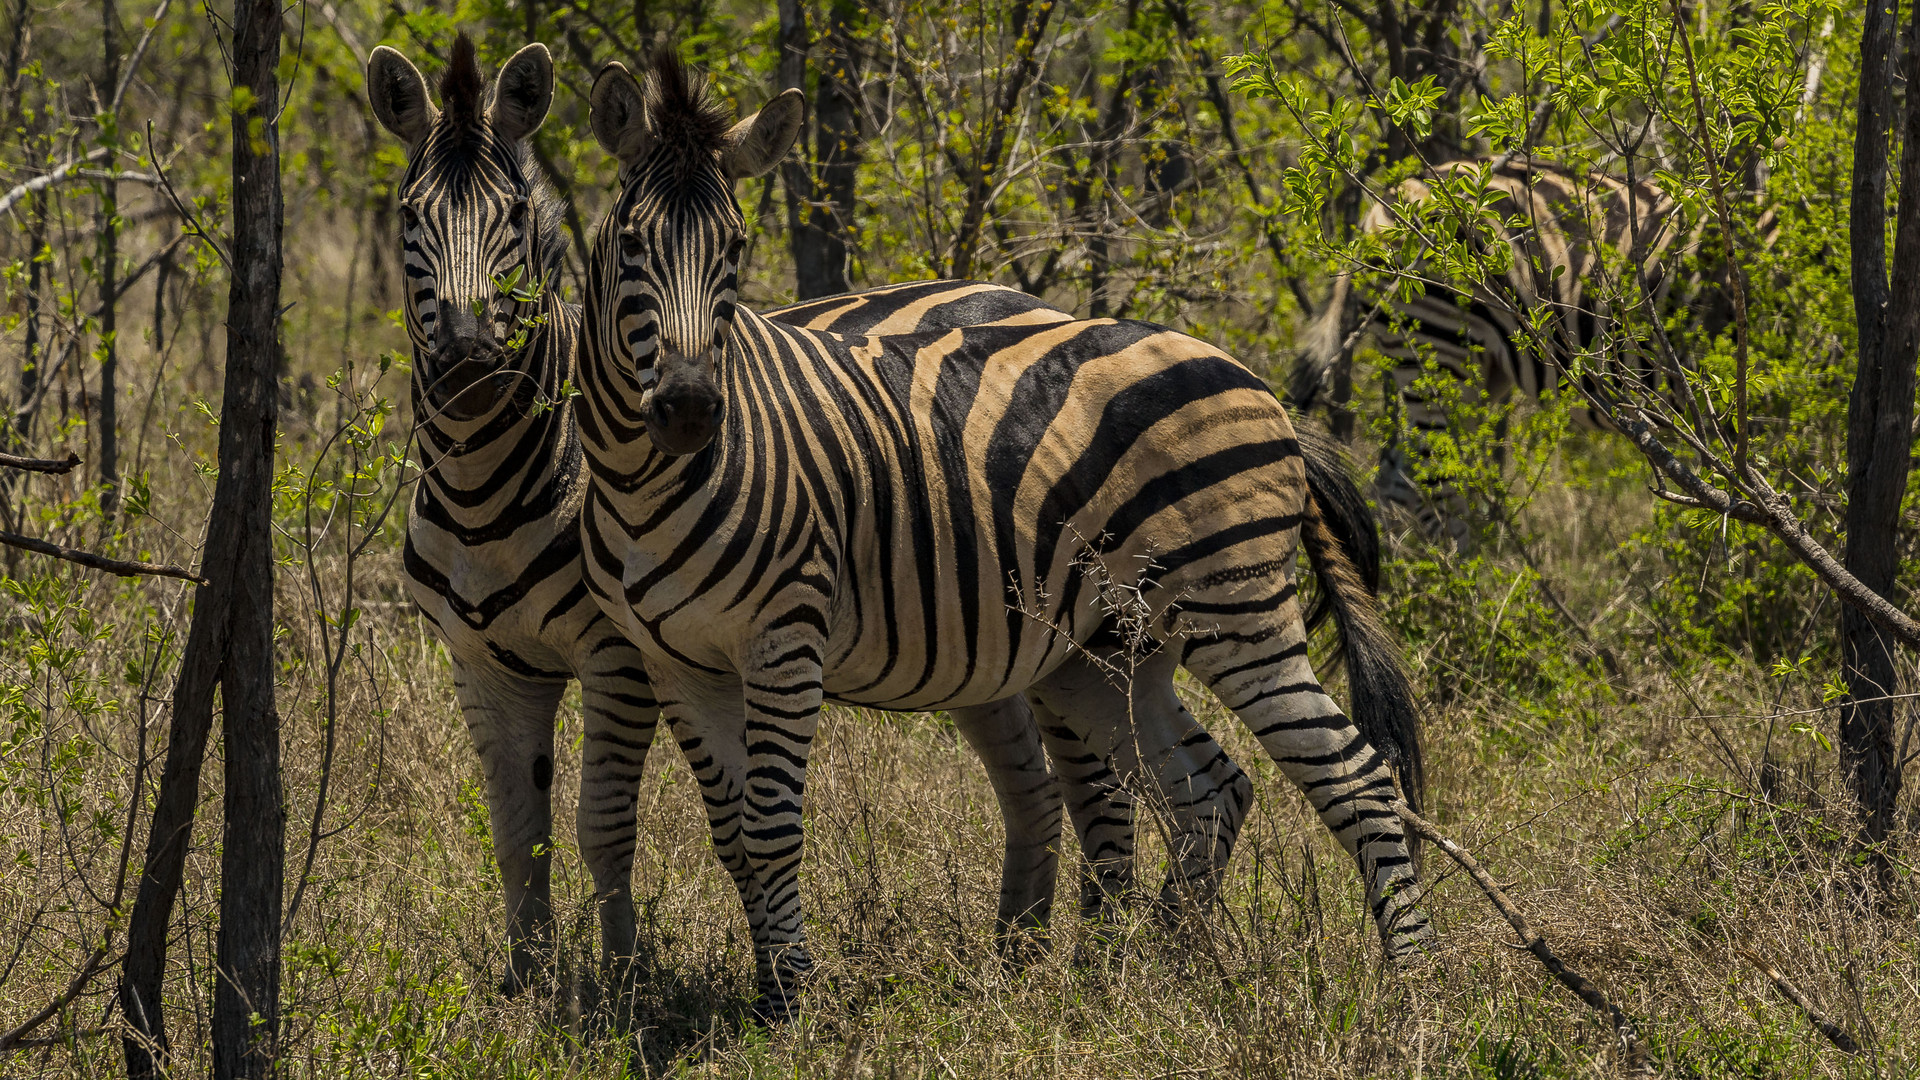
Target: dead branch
<point x="40" y="465"/>
<point x="64" y="171"/>
<point x="1840" y="1037"/>
<point x="17" y="1039"/>
<point x="120" y="567"/>
<point x="1633" y="1052"/>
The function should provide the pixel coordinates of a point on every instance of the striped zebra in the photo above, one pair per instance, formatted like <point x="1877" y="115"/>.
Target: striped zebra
<point x="492" y="553"/>
<point x="783" y="517"/>
<point x="1573" y="238"/>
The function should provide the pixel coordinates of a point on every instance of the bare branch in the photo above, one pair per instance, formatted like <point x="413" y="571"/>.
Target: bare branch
<point x="1840" y="1037"/>
<point x="17" y="1038"/>
<point x="64" y="171"/>
<point x="120" y="567"/>
<point x="1583" y="988"/>
<point x="40" y="465"/>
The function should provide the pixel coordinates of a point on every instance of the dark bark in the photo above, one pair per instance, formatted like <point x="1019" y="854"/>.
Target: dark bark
<point x="1879" y="417"/>
<point x="820" y="249"/>
<point x="230" y="640"/>
<point x="109" y="257"/>
<point x="796" y="182"/>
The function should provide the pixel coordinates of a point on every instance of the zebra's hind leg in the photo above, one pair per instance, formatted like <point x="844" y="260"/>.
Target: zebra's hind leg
<point x="1004" y="736"/>
<point x="620" y="715"/>
<point x="1101" y="809"/>
<point x="1262" y="674"/>
<point x="511" y="721"/>
<point x="1129" y="713"/>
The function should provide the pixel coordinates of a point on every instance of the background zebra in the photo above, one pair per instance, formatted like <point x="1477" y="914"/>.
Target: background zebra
<point x="1573" y="239"/>
<point x="781" y="517"/>
<point x="492" y="553"/>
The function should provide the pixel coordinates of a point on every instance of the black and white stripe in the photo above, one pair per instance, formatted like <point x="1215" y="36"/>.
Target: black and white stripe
<point x="782" y="517"/>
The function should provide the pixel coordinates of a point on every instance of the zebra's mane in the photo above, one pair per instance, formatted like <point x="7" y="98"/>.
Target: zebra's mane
<point x="463" y="93"/>
<point x="688" y="124"/>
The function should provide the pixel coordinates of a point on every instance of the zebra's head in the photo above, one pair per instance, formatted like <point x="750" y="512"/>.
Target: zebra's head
<point x="480" y="228"/>
<point x="666" y="264"/>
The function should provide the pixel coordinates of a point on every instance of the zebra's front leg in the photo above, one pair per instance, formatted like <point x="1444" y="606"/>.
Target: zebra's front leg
<point x="511" y="721"/>
<point x="782" y="692"/>
<point x="620" y="714"/>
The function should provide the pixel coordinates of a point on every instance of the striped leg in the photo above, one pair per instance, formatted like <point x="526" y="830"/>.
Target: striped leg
<point x="511" y="721"/>
<point x="1101" y="809"/>
<point x="1404" y="480"/>
<point x="1003" y="735"/>
<point x="619" y="711"/>
<point x="1262" y="674"/>
<point x="1160" y="752"/>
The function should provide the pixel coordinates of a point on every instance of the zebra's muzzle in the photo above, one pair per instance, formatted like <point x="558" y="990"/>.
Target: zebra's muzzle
<point x="683" y="408"/>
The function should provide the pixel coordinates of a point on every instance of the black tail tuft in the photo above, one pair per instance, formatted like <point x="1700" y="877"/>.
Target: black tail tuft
<point x="1383" y="707"/>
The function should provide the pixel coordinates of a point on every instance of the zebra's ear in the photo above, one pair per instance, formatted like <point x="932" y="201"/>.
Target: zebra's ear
<point x="757" y="144"/>
<point x="399" y="96"/>
<point x="522" y="94"/>
<point x="617" y="110"/>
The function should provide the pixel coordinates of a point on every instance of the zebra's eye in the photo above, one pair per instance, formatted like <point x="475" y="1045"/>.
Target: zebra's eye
<point x="409" y="218"/>
<point x="630" y="246"/>
<point x="734" y="249"/>
<point x="517" y="214"/>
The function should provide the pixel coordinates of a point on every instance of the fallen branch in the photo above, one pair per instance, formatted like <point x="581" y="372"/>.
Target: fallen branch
<point x="40" y="465"/>
<point x="17" y="1038"/>
<point x="1840" y="1037"/>
<point x="122" y="567"/>
<point x="1632" y="1051"/>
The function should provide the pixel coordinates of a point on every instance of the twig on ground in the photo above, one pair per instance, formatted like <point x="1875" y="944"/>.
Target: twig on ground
<point x="40" y="465"/>
<point x="1840" y="1037"/>
<point x="1632" y="1051"/>
<point x="121" y="567"/>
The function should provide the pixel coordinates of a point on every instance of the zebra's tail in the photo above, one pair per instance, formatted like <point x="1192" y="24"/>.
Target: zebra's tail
<point x="1321" y="350"/>
<point x="1343" y="548"/>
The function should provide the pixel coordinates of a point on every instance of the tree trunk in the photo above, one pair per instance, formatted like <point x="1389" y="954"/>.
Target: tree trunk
<point x="230" y="641"/>
<point x="1879" y="417"/>
<point x="820" y="250"/>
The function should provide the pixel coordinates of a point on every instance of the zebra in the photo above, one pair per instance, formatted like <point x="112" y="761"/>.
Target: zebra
<point x="782" y="517"/>
<point x="1572" y="237"/>
<point x="492" y="549"/>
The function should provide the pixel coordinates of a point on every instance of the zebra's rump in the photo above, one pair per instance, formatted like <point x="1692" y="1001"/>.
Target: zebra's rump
<point x="952" y="511"/>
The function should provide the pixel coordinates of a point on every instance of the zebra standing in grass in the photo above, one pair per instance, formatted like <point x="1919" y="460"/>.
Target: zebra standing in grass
<point x="1572" y="238"/>
<point x="493" y="542"/>
<point x="492" y="553"/>
<point x="783" y="517"/>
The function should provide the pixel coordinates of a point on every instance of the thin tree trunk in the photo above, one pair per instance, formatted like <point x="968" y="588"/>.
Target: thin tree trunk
<point x="109" y="258"/>
<point x="230" y="641"/>
<point x="1879" y="417"/>
<point x="820" y="249"/>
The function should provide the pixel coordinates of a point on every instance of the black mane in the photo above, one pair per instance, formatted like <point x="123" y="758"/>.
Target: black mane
<point x="463" y="93"/>
<point x="688" y="123"/>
